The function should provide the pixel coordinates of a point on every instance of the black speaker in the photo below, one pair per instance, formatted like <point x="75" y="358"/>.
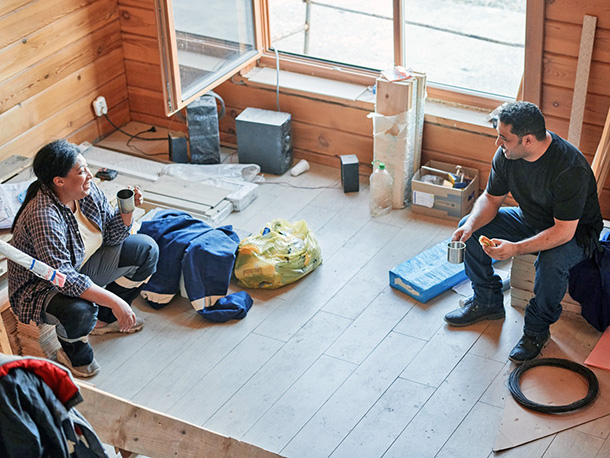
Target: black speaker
<point x="178" y="149"/>
<point x="350" y="173"/>
<point x="264" y="138"/>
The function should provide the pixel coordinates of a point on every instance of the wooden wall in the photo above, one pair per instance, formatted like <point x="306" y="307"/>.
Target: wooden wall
<point x="562" y="31"/>
<point x="56" y="57"/>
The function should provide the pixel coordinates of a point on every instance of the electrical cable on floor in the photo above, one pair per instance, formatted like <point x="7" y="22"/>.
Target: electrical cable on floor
<point x="151" y="129"/>
<point x="137" y="136"/>
<point x="585" y="372"/>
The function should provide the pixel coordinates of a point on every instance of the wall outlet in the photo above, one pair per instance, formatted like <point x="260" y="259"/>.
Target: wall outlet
<point x="99" y="106"/>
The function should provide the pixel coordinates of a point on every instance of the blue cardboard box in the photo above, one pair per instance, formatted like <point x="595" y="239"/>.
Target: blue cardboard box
<point x="428" y="274"/>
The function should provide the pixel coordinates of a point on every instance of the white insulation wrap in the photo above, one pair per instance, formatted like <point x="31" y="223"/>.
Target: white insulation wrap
<point x="37" y="267"/>
<point x="394" y="145"/>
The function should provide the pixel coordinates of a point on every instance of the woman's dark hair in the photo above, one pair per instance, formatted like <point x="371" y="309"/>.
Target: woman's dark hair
<point x="525" y="118"/>
<point x="55" y="159"/>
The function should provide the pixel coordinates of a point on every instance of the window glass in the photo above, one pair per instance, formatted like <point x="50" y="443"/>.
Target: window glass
<point x="352" y="32"/>
<point x="212" y="37"/>
<point x="471" y="44"/>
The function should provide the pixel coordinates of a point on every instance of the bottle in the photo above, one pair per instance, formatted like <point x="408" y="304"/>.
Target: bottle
<point x="381" y="190"/>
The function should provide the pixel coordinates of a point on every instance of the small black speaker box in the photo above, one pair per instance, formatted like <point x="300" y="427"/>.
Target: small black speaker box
<point x="264" y="138"/>
<point x="178" y="150"/>
<point x="350" y="173"/>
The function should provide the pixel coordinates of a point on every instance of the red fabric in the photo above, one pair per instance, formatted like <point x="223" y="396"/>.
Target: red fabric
<point x="53" y="376"/>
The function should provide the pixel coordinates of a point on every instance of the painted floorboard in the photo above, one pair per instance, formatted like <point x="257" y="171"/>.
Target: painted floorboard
<point x="338" y="364"/>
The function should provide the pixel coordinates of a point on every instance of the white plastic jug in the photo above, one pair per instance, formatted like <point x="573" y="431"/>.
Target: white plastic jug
<point x="381" y="190"/>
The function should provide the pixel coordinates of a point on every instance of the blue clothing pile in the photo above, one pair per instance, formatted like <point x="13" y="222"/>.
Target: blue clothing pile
<point x="204" y="256"/>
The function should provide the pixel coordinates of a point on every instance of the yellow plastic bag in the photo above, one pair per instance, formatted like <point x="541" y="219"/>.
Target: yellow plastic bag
<point x="280" y="254"/>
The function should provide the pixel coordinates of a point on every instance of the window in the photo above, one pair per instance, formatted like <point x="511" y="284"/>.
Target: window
<point x="472" y="50"/>
<point x="463" y="45"/>
<point x="204" y="42"/>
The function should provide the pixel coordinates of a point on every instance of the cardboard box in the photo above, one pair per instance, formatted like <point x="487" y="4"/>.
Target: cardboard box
<point x="428" y="274"/>
<point x="442" y="201"/>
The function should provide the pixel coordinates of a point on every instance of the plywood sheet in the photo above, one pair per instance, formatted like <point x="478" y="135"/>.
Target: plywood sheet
<point x="12" y="165"/>
<point x="177" y="188"/>
<point x="520" y="425"/>
<point x="600" y="356"/>
<point x="125" y="164"/>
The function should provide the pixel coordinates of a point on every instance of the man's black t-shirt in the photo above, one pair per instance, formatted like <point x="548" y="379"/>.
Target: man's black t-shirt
<point x="560" y="184"/>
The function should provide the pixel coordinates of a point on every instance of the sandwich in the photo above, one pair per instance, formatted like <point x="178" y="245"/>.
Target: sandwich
<point x="486" y="241"/>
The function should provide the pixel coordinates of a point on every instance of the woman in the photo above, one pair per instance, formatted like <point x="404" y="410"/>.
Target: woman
<point x="67" y="222"/>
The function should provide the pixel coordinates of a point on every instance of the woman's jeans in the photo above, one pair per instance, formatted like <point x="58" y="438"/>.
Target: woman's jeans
<point x="122" y="269"/>
<point x="552" y="270"/>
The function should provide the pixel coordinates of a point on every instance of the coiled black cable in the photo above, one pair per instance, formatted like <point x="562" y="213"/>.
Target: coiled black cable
<point x="515" y="389"/>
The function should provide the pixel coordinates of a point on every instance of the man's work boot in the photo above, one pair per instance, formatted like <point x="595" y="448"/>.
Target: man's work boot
<point x="471" y="313"/>
<point x="528" y="347"/>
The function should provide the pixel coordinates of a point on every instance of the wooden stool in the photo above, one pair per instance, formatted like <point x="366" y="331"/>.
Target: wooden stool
<point x="522" y="276"/>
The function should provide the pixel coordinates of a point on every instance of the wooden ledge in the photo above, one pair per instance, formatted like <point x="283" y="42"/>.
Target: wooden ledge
<point x="359" y="96"/>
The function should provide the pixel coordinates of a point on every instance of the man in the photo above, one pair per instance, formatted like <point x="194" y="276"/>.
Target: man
<point x="558" y="218"/>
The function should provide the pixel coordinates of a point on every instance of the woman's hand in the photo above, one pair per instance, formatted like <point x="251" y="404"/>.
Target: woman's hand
<point x="138" y="200"/>
<point x="124" y="314"/>
<point x="137" y="196"/>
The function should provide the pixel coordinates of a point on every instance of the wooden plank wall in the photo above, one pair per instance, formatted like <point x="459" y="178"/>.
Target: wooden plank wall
<point x="321" y="130"/>
<point x="56" y="57"/>
<point x="143" y="65"/>
<point x="562" y="32"/>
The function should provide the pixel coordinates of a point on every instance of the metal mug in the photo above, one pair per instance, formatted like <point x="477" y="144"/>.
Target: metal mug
<point x="455" y="252"/>
<point x="126" y="200"/>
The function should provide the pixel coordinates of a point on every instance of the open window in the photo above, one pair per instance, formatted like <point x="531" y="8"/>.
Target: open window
<point x="203" y="43"/>
<point x="470" y="55"/>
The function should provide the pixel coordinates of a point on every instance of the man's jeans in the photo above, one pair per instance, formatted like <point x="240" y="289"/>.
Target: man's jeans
<point x="552" y="270"/>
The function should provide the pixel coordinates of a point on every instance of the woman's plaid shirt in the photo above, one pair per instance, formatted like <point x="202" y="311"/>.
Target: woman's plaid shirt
<point x="47" y="230"/>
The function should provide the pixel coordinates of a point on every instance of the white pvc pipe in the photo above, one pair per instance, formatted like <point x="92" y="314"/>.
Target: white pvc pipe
<point x="37" y="267"/>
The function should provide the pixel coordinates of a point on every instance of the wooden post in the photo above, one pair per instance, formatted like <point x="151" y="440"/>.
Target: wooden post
<point x="582" y="79"/>
<point x="393" y="97"/>
<point x="534" y="45"/>
<point x="601" y="160"/>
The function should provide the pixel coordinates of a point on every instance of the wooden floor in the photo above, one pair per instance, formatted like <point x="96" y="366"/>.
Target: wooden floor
<point x="337" y="364"/>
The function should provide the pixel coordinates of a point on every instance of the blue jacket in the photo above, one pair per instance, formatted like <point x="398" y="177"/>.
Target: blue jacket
<point x="204" y="256"/>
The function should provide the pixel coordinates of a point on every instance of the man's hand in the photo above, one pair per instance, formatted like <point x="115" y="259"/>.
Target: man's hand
<point x="462" y="234"/>
<point x="503" y="249"/>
